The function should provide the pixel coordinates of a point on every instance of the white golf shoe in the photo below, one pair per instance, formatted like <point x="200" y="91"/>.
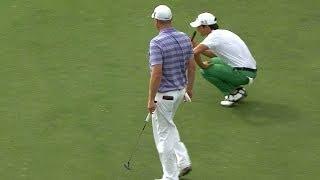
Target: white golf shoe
<point x="242" y="91"/>
<point x="231" y="99"/>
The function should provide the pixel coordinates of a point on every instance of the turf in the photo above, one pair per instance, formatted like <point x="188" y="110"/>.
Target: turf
<point x="74" y="79"/>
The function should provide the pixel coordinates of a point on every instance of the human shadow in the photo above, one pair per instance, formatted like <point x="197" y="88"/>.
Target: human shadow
<point x="266" y="113"/>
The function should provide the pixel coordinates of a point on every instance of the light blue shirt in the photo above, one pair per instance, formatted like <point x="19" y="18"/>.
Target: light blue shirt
<point x="172" y="49"/>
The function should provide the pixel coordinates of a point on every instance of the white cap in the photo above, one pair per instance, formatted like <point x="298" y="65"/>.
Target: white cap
<point x="162" y="12"/>
<point x="204" y="19"/>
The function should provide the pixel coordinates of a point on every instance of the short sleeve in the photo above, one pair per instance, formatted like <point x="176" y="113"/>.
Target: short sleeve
<point x="210" y="41"/>
<point x="155" y="53"/>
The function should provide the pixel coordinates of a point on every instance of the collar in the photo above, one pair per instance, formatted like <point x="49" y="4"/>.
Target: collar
<point x="166" y="30"/>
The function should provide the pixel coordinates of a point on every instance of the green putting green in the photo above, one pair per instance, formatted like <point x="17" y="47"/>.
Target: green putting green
<point x="74" y="78"/>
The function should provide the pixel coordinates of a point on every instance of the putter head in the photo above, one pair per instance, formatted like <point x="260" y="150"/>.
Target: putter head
<point x="127" y="166"/>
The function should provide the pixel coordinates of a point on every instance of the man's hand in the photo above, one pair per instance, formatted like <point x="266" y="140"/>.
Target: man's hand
<point x="206" y="64"/>
<point x="151" y="106"/>
<point x="189" y="92"/>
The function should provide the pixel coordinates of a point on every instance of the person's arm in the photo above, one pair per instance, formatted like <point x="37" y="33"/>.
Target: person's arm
<point x="209" y="53"/>
<point x="155" y="60"/>
<point x="198" y="60"/>
<point x="154" y="84"/>
<point x="191" y="68"/>
<point x="200" y="48"/>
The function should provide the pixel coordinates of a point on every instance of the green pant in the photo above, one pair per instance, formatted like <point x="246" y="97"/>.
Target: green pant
<point x="224" y="77"/>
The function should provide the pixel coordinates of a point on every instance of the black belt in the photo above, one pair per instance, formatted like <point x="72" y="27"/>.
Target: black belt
<point x="245" y="69"/>
<point x="167" y="97"/>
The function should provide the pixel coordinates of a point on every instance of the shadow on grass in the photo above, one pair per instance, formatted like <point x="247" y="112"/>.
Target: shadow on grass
<point x="266" y="113"/>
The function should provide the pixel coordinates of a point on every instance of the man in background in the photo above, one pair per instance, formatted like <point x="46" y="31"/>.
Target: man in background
<point x="232" y="64"/>
<point x="172" y="75"/>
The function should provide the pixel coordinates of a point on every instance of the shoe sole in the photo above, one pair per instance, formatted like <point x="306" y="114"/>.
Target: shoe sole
<point x="228" y="105"/>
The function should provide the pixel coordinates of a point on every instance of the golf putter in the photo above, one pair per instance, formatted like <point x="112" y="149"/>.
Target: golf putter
<point x="193" y="35"/>
<point x="134" y="150"/>
<point x="148" y="117"/>
<point x="187" y="97"/>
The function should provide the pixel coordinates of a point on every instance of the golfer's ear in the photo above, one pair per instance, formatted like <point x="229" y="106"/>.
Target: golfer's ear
<point x="200" y="49"/>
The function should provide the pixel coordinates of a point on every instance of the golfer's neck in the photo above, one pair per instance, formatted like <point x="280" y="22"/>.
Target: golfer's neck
<point x="165" y="26"/>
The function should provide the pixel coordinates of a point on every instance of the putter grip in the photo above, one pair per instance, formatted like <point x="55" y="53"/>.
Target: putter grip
<point x="187" y="97"/>
<point x="148" y="117"/>
<point x="193" y="35"/>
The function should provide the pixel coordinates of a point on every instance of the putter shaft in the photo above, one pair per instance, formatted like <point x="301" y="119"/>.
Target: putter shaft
<point x="193" y="35"/>
<point x="135" y="148"/>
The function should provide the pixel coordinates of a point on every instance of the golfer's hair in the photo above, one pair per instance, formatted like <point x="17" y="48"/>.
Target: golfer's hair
<point x="214" y="26"/>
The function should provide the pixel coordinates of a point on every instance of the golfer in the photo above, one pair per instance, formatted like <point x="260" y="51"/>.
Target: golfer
<point x="172" y="75"/>
<point x="232" y="64"/>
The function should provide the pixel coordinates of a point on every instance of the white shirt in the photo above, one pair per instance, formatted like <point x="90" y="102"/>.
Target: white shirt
<point x="230" y="47"/>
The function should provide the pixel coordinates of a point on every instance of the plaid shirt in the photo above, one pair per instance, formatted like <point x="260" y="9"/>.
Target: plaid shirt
<point x="172" y="49"/>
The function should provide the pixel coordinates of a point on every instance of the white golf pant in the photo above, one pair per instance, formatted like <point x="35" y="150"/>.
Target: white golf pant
<point x="172" y="152"/>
